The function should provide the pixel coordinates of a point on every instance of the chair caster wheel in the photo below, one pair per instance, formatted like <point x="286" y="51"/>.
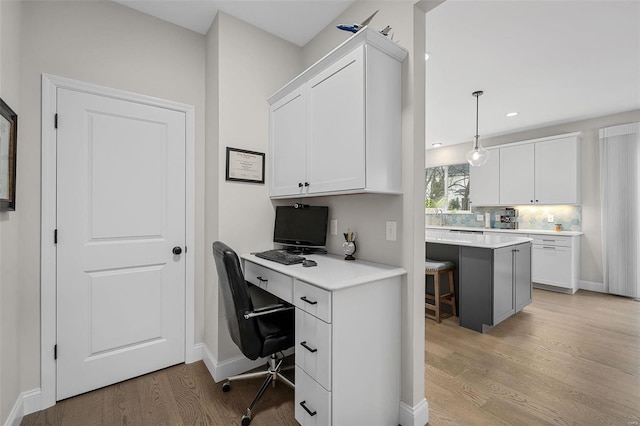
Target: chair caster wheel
<point x="246" y="420"/>
<point x="226" y="388"/>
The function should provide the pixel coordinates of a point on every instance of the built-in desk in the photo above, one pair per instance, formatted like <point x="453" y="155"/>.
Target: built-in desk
<point x="347" y="336"/>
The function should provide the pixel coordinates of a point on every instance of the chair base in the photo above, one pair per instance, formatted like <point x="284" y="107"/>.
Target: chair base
<point x="272" y="375"/>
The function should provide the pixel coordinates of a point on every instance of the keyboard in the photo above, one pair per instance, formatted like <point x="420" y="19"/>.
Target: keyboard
<point x="280" y="257"/>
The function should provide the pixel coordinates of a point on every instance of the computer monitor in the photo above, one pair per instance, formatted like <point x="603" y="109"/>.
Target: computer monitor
<point x="301" y="225"/>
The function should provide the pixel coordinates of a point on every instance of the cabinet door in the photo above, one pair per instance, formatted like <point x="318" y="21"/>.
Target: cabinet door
<point x="551" y="265"/>
<point x="516" y="175"/>
<point x="288" y="134"/>
<point x="503" y="297"/>
<point x="522" y="275"/>
<point x="484" y="181"/>
<point x="336" y="131"/>
<point x="557" y="171"/>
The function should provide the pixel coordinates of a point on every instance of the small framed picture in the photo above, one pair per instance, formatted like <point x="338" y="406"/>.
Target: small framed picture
<point x="8" y="143"/>
<point x="245" y="166"/>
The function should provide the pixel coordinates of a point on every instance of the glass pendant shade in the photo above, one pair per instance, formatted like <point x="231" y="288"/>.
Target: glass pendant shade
<point x="478" y="156"/>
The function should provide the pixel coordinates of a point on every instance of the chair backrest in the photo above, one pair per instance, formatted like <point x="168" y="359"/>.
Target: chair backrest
<point x="237" y="301"/>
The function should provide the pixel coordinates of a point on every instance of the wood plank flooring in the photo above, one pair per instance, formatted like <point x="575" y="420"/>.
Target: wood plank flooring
<point x="563" y="360"/>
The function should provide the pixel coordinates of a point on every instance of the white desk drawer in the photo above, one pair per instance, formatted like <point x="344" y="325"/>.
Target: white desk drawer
<point x="312" y="401"/>
<point x="313" y="299"/>
<point x="313" y="347"/>
<point x="278" y="284"/>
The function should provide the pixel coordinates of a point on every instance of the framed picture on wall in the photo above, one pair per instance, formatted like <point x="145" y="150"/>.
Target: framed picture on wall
<point x="245" y="166"/>
<point x="8" y="143"/>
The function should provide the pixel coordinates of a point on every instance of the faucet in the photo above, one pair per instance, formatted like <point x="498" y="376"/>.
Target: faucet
<point x="439" y="212"/>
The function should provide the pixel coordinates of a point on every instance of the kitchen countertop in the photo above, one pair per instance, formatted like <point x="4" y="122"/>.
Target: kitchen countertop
<point x="473" y="240"/>
<point x="510" y="231"/>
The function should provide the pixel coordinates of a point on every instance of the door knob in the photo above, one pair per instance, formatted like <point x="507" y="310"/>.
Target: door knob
<point x="177" y="250"/>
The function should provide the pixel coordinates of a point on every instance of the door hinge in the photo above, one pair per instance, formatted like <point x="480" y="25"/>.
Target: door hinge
<point x="55" y="236"/>
<point x="55" y="120"/>
<point x="55" y="351"/>
<point x="185" y="249"/>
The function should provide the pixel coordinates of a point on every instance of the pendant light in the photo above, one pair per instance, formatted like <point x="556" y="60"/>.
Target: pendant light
<point x="478" y="156"/>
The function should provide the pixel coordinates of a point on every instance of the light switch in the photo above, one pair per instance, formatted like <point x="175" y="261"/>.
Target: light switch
<point x="550" y="218"/>
<point x="479" y="217"/>
<point x="391" y="230"/>
<point x="334" y="226"/>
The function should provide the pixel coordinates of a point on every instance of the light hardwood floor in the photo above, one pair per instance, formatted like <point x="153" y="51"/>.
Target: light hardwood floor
<point x="563" y="360"/>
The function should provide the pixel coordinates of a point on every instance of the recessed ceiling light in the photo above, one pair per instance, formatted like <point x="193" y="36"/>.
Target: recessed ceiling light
<point x="436" y="144"/>
<point x="512" y="114"/>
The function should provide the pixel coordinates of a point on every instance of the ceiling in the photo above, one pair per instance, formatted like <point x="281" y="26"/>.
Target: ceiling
<point x="551" y="61"/>
<point x="297" y="21"/>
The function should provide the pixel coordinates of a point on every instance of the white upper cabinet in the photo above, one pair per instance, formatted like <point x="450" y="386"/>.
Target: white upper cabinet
<point x="485" y="181"/>
<point x="336" y="128"/>
<point x="516" y="175"/>
<point x="557" y="179"/>
<point x="540" y="171"/>
<point x="288" y="156"/>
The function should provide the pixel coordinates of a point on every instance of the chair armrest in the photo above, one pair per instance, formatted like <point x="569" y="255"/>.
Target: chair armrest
<point x="267" y="310"/>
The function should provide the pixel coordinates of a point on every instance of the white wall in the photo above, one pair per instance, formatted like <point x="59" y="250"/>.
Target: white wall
<point x="245" y="66"/>
<point x="591" y="242"/>
<point x="10" y="18"/>
<point x="111" y="45"/>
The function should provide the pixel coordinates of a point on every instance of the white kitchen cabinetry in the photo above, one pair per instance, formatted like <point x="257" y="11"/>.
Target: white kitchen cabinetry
<point x="340" y="122"/>
<point x="485" y="181"/>
<point x="543" y="171"/>
<point x="555" y="261"/>
<point x="517" y="185"/>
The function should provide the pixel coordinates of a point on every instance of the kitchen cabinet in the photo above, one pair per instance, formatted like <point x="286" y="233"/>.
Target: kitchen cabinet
<point x="555" y="262"/>
<point x="544" y="171"/>
<point x="340" y="123"/>
<point x="511" y="281"/>
<point x="484" y="181"/>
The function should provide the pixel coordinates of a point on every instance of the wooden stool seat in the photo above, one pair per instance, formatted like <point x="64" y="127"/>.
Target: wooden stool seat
<point x="432" y="303"/>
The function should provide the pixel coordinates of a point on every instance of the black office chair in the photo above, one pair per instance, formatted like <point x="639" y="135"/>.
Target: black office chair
<point x="259" y="332"/>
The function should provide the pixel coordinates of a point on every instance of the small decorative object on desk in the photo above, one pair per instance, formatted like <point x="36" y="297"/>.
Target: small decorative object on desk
<point x="349" y="245"/>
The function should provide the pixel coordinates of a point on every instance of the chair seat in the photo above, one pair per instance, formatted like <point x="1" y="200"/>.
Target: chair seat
<point x="438" y="265"/>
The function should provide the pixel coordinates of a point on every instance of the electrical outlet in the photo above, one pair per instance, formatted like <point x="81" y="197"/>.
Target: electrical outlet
<point x="334" y="226"/>
<point x="497" y="218"/>
<point x="550" y="218"/>
<point x="479" y="217"/>
<point x="391" y="230"/>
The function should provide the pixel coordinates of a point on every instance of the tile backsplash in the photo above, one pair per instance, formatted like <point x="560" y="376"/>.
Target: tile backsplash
<point x="529" y="217"/>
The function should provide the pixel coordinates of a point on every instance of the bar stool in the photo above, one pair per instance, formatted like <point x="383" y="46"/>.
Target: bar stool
<point x="434" y="268"/>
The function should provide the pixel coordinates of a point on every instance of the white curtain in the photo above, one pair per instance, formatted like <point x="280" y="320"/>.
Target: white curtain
<point x="620" y="199"/>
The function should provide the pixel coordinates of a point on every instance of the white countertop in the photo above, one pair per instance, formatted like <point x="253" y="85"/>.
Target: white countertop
<point x="332" y="272"/>
<point x="510" y="231"/>
<point x="442" y="236"/>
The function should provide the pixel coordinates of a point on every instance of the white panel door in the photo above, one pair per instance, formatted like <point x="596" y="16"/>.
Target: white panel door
<point x="120" y="212"/>
<point x="336" y="133"/>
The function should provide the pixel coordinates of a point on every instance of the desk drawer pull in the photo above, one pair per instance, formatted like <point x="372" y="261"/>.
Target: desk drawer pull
<point x="304" y="345"/>
<point x="304" y="299"/>
<point x="262" y="280"/>
<point x="303" y="404"/>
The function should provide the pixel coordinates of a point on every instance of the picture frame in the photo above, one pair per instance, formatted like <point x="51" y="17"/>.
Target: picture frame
<point x="8" y="145"/>
<point x="245" y="166"/>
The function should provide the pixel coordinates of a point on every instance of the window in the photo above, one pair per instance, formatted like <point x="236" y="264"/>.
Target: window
<point x="447" y="187"/>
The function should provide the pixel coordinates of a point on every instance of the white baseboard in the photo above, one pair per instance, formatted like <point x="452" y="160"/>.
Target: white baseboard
<point x="557" y="289"/>
<point x="231" y="367"/>
<point x="417" y="415"/>
<point x="28" y="402"/>
<point x="591" y="286"/>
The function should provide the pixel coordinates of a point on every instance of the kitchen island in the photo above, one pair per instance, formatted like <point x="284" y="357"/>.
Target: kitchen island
<point x="493" y="274"/>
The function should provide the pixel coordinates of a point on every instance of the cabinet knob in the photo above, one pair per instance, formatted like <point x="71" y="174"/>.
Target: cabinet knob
<point x="299" y="184"/>
<point x="306" y="184"/>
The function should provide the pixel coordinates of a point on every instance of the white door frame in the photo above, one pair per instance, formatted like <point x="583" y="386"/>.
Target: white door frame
<point x="50" y="84"/>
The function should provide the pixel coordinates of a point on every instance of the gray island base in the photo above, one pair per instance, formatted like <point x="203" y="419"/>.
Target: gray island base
<point x="493" y="274"/>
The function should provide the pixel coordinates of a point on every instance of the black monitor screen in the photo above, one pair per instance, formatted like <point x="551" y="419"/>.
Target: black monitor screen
<point x="302" y="226"/>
